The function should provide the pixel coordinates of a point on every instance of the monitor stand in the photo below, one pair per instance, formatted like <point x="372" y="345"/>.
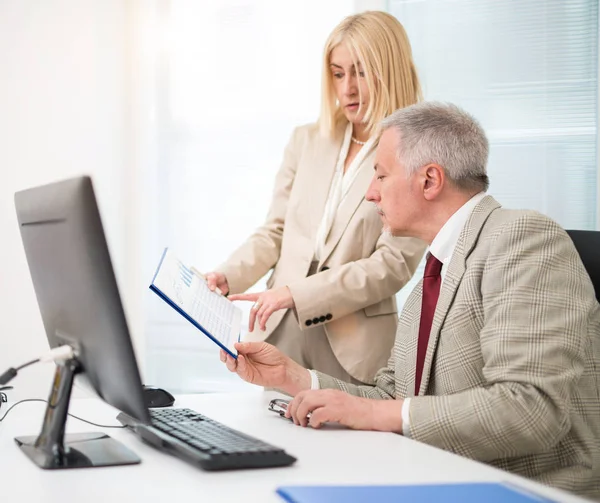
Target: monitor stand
<point x="52" y="449"/>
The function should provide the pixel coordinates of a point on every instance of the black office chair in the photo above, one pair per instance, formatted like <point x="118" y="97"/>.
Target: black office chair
<point x="588" y="247"/>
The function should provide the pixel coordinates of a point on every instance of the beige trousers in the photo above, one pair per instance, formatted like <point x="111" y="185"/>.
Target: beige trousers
<point x="310" y="348"/>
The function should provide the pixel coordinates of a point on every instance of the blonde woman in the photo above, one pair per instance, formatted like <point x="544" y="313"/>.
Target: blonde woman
<point x="330" y="304"/>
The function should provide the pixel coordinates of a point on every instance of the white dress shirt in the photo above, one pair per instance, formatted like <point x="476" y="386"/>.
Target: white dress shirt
<point x="340" y="185"/>
<point x="442" y="247"/>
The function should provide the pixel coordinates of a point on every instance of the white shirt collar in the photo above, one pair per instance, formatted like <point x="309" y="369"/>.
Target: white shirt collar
<point x="442" y="247"/>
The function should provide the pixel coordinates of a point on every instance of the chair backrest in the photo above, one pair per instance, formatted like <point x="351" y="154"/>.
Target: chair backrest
<point x="588" y="246"/>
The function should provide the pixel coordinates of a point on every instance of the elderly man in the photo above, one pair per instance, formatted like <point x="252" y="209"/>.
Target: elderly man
<point x="497" y="352"/>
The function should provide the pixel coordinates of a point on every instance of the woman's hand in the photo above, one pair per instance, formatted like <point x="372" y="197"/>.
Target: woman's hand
<point x="216" y="280"/>
<point x="265" y="304"/>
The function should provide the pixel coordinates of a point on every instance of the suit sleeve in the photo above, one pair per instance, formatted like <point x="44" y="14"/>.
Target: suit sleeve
<point x="347" y="288"/>
<point x="536" y="305"/>
<point x="384" y="388"/>
<point x="252" y="260"/>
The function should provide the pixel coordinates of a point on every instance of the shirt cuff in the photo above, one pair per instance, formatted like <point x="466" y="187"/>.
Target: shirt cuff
<point x="406" y="418"/>
<point x="314" y="380"/>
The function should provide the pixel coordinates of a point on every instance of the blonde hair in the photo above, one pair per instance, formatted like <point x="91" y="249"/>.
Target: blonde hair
<point x="379" y="43"/>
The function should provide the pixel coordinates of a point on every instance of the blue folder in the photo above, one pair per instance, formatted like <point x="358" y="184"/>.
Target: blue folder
<point x="447" y="493"/>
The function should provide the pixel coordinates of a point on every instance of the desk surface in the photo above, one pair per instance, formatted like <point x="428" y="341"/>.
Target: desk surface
<point x="327" y="456"/>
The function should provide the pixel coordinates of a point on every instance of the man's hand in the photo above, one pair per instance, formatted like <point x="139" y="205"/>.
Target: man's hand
<point x="265" y="304"/>
<point x="263" y="364"/>
<point x="216" y="280"/>
<point x="336" y="406"/>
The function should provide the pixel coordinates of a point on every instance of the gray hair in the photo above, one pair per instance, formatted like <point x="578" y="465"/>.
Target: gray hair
<point x="441" y="133"/>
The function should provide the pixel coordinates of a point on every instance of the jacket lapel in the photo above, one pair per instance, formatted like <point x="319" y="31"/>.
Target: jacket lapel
<point x="349" y="205"/>
<point x="323" y="162"/>
<point x="408" y="328"/>
<point x="456" y="269"/>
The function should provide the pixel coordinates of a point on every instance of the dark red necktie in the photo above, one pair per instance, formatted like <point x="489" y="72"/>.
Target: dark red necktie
<point x="431" y="291"/>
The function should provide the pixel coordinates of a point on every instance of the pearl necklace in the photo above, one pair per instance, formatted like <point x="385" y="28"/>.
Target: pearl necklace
<point x="358" y="142"/>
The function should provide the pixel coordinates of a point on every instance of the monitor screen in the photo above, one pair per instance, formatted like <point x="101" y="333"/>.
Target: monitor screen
<point x="76" y="289"/>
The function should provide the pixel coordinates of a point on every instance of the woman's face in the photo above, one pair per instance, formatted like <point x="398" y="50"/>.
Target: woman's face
<point x="349" y="83"/>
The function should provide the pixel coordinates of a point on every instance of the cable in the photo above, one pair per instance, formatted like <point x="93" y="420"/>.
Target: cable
<point x="60" y="353"/>
<point x="27" y="364"/>
<point x="68" y="413"/>
<point x="8" y="375"/>
<point x="92" y="423"/>
<point x="65" y="352"/>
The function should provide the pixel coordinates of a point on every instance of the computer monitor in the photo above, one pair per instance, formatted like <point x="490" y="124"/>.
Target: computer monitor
<point x="80" y="305"/>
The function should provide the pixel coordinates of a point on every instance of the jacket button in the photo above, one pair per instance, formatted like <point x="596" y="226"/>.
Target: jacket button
<point x="324" y="268"/>
<point x="308" y="323"/>
<point x="328" y="317"/>
<point x="322" y="319"/>
<point x="315" y="320"/>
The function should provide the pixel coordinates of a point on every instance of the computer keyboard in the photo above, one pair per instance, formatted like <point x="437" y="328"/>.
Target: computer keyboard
<point x="208" y="443"/>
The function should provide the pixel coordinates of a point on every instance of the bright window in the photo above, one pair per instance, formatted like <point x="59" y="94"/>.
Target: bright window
<point x="528" y="70"/>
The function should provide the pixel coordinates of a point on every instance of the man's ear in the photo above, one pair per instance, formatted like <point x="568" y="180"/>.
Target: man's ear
<point x="434" y="179"/>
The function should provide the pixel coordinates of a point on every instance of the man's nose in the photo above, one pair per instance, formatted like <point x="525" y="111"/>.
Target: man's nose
<point x="372" y="194"/>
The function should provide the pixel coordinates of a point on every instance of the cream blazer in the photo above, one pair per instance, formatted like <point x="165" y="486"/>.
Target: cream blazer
<point x="360" y="270"/>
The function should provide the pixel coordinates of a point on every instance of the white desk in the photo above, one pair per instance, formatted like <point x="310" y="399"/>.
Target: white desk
<point x="327" y="456"/>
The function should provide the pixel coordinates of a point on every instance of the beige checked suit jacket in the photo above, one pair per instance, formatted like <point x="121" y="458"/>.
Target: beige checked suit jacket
<point x="353" y="294"/>
<point x="512" y="371"/>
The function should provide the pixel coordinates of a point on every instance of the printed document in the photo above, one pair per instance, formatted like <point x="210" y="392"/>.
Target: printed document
<point x="188" y="294"/>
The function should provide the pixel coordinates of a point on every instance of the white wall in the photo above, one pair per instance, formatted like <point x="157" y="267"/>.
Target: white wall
<point x="78" y="96"/>
<point x="64" y="111"/>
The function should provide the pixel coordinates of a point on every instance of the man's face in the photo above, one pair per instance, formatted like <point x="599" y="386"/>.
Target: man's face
<point x="394" y="194"/>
